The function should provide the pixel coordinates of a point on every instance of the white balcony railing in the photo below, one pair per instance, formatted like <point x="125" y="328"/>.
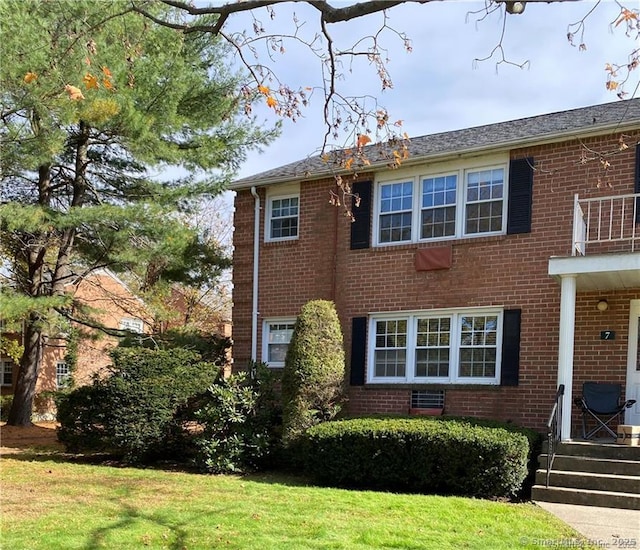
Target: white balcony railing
<point x="612" y="223"/>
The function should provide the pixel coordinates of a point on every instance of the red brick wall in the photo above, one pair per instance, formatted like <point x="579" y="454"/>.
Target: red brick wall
<point x="509" y="271"/>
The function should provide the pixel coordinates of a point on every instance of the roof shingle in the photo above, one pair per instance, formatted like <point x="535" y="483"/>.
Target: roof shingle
<point x="521" y="132"/>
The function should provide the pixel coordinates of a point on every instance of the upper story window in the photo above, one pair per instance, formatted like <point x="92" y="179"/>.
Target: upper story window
<point x="465" y="200"/>
<point x="62" y="375"/>
<point x="6" y="373"/>
<point x="131" y="324"/>
<point x="450" y="346"/>
<point x="276" y="336"/>
<point x="283" y="213"/>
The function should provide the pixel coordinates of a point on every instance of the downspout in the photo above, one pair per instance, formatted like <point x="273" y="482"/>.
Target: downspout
<point x="256" y="267"/>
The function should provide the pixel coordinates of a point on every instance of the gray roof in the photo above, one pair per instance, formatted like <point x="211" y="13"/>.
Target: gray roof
<point x="515" y="133"/>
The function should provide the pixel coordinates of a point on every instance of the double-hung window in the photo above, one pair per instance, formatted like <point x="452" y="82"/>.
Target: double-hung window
<point x="438" y="213"/>
<point x="282" y="219"/>
<point x="283" y="222"/>
<point x="484" y="201"/>
<point x="458" y="201"/>
<point x="448" y="346"/>
<point x="396" y="211"/>
<point x="6" y="373"/>
<point x="276" y="336"/>
<point x="62" y="375"/>
<point x="132" y="324"/>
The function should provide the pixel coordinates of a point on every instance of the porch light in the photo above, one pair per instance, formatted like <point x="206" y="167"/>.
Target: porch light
<point x="603" y="305"/>
<point x="515" y="8"/>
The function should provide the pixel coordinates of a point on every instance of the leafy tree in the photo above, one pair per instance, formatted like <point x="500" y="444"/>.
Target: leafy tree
<point x="314" y="368"/>
<point x="96" y="100"/>
<point x="354" y="121"/>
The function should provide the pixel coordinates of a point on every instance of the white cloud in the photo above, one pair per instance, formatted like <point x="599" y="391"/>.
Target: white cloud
<point x="437" y="87"/>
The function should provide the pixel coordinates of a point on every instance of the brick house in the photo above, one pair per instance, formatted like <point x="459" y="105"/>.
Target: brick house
<point x="114" y="306"/>
<point x="495" y="264"/>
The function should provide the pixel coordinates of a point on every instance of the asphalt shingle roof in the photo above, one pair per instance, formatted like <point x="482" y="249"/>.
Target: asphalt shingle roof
<point x="521" y="132"/>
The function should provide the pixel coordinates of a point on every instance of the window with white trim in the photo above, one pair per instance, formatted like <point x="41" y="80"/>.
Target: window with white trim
<point x="462" y="201"/>
<point x="276" y="336"/>
<point x="132" y="324"/>
<point x="282" y="217"/>
<point x="62" y="375"/>
<point x="446" y="346"/>
<point x="6" y="373"/>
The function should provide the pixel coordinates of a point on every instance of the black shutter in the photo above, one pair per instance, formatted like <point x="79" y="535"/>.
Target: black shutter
<point x="510" y="348"/>
<point x="358" y="350"/>
<point x="520" y="196"/>
<point x="636" y="184"/>
<point x="361" y="227"/>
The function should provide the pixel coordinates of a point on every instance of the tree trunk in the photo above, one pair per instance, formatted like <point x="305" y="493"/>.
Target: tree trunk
<point x="22" y="405"/>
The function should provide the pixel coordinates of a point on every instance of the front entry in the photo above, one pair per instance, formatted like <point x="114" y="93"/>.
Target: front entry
<point x="632" y="415"/>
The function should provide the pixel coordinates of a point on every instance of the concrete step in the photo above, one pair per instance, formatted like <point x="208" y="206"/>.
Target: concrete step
<point x="590" y="449"/>
<point x="605" y="499"/>
<point x="590" y="481"/>
<point x="570" y="463"/>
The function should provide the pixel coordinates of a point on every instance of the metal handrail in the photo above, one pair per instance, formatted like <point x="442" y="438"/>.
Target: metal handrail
<point x="553" y="429"/>
<point x="611" y="219"/>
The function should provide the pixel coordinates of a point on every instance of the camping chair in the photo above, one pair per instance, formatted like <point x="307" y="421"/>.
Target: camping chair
<point x="602" y="403"/>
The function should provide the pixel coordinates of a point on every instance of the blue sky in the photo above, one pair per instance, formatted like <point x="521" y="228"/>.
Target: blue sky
<point x="438" y="86"/>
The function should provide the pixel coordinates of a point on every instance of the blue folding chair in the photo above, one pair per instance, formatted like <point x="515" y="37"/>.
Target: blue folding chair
<point x="602" y="403"/>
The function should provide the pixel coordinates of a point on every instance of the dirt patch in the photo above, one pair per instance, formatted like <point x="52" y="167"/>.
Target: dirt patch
<point x="16" y="439"/>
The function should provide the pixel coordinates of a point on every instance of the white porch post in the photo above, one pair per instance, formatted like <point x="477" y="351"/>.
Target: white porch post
<point x="565" y="352"/>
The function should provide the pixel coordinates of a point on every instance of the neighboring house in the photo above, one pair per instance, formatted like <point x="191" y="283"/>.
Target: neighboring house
<point x="199" y="311"/>
<point x="112" y="305"/>
<point x="495" y="264"/>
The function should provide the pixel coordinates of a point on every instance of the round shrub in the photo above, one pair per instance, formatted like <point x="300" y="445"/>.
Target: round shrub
<point x="418" y="454"/>
<point x="313" y="376"/>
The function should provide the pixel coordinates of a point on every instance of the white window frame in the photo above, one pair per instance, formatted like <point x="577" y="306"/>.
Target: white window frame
<point x="4" y="363"/>
<point x="62" y="378"/>
<point x="266" y="324"/>
<point x="412" y="317"/>
<point x="278" y="193"/>
<point x="460" y="169"/>
<point x="132" y="324"/>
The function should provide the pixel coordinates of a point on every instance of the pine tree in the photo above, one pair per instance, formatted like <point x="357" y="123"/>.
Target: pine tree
<point x="99" y="108"/>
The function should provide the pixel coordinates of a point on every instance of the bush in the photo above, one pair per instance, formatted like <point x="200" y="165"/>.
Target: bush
<point x="212" y="348"/>
<point x="239" y="420"/>
<point x="313" y="376"/>
<point x="418" y="454"/>
<point x="5" y="405"/>
<point x="138" y="411"/>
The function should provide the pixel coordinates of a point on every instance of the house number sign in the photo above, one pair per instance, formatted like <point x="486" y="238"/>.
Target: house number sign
<point x="607" y="335"/>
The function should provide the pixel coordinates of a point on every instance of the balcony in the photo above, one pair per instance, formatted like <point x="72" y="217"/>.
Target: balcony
<point x="606" y="224"/>
<point x="606" y="244"/>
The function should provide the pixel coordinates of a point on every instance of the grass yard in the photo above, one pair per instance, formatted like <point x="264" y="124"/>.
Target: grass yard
<point x="49" y="503"/>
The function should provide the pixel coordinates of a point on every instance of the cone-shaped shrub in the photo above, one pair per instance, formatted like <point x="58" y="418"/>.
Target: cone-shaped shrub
<point x="313" y="377"/>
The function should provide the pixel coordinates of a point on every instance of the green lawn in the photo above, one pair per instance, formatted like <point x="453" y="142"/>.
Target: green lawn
<point x="48" y="503"/>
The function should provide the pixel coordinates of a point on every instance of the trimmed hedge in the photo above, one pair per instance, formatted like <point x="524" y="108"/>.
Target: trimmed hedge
<point x="313" y="375"/>
<point x="417" y="454"/>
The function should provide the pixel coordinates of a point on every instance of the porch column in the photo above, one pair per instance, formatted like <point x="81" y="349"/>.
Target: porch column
<point x="565" y="351"/>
